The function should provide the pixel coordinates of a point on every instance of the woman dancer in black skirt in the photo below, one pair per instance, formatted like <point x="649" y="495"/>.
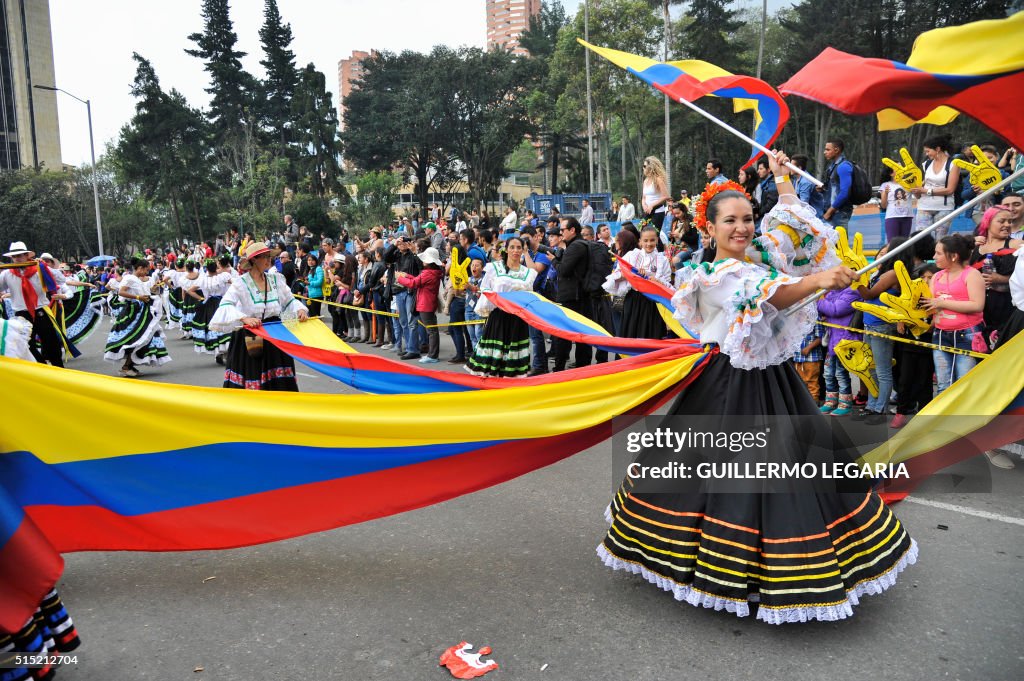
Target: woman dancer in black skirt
<point x="789" y="556"/>
<point x="504" y="347"/>
<point x="260" y="295"/>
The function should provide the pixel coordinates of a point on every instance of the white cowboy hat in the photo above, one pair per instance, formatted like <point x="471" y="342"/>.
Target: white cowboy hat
<point x="430" y="256"/>
<point x="47" y="256"/>
<point x="17" y="248"/>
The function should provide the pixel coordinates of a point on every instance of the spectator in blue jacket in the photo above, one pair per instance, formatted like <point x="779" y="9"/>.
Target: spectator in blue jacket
<point x="314" y="285"/>
<point x="839" y="178"/>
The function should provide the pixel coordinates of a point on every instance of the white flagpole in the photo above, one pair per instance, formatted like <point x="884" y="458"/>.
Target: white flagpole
<point x="750" y="140"/>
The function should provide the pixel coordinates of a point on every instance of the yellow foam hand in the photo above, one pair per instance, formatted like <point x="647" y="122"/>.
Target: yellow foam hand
<point x="854" y="257"/>
<point x="906" y="307"/>
<point x="984" y="174"/>
<point x="856" y="356"/>
<point x="459" y="271"/>
<point x="908" y="303"/>
<point x="886" y="314"/>
<point x="906" y="174"/>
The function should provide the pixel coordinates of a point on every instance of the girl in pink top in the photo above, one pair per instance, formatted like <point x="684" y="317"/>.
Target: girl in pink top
<point x="956" y="306"/>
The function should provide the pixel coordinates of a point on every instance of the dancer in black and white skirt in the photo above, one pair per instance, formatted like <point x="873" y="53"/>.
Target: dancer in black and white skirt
<point x="136" y="336"/>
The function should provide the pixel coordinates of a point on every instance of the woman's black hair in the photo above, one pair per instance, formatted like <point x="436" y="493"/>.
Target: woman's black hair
<point x="925" y="267"/>
<point x="717" y="199"/>
<point x="906" y="256"/>
<point x="138" y="262"/>
<point x="211" y="266"/>
<point x="649" y="227"/>
<point x="939" y="142"/>
<point x="225" y="260"/>
<point x="885" y="174"/>
<point x="924" y="247"/>
<point x="958" y="245"/>
<point x="504" y="248"/>
<point x="190" y="266"/>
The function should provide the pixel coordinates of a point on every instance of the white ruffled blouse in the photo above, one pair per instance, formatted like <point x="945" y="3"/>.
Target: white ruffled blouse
<point x="244" y="299"/>
<point x="499" y="279"/>
<point x="654" y="266"/>
<point x="726" y="302"/>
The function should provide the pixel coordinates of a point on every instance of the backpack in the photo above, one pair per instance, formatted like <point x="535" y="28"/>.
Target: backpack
<point x="860" y="185"/>
<point x="598" y="268"/>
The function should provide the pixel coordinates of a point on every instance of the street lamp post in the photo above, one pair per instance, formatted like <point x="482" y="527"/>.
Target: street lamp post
<point x="92" y="151"/>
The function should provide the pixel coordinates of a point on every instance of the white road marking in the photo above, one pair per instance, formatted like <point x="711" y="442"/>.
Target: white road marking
<point x="308" y="375"/>
<point x="966" y="510"/>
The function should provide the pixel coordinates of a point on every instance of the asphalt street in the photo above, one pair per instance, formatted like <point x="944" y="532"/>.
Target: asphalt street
<point x="514" y="567"/>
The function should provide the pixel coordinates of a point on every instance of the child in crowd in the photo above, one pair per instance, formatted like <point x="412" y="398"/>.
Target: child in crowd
<point x="836" y="307"/>
<point x="808" y="361"/>
<point x="476" y="277"/>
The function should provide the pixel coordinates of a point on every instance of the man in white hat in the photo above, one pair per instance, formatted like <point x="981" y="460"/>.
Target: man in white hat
<point x="31" y="286"/>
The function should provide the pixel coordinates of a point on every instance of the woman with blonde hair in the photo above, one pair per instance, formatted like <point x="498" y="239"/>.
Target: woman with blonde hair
<point x="655" y="192"/>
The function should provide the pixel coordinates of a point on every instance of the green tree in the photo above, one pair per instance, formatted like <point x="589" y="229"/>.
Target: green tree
<point x="484" y="114"/>
<point x="554" y="134"/>
<point x="282" y="76"/>
<point x="376" y="192"/>
<point x="541" y="35"/>
<point x="393" y="117"/>
<point x="163" y="151"/>
<point x="620" y="99"/>
<point x="316" y="132"/>
<point x="709" y="33"/>
<point x="231" y="88"/>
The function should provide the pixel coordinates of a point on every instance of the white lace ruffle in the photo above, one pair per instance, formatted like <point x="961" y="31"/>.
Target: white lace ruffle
<point x="760" y="336"/>
<point x="871" y="587"/>
<point x="681" y="592"/>
<point x="825" y="613"/>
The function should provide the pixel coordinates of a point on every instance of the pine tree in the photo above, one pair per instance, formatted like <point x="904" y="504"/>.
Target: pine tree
<point x="231" y="87"/>
<point x="282" y="76"/>
<point x="709" y="35"/>
<point x="316" y="129"/>
<point x="163" y="150"/>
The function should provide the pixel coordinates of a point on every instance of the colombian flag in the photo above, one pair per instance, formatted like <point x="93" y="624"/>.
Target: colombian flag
<point x="976" y="69"/>
<point x="692" y="79"/>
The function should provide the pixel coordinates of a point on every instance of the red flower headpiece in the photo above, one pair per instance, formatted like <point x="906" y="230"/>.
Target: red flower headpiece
<point x="700" y="205"/>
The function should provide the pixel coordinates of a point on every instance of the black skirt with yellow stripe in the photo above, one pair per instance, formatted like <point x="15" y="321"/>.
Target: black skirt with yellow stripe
<point x="800" y="556"/>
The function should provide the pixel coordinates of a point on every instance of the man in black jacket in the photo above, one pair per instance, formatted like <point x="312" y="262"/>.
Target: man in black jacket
<point x="287" y="268"/>
<point x="572" y="266"/>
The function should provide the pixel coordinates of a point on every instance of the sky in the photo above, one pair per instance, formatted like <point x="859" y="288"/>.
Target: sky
<point x="93" y="42"/>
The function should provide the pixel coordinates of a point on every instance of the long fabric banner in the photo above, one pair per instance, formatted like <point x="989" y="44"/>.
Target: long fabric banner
<point x="254" y="467"/>
<point x="313" y="344"/>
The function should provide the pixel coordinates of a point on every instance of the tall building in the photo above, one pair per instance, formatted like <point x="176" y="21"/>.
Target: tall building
<point x="349" y="71"/>
<point x="29" y="131"/>
<point x="506" y="21"/>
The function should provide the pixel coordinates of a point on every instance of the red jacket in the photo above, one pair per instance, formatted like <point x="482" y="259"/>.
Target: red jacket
<point x="427" y="283"/>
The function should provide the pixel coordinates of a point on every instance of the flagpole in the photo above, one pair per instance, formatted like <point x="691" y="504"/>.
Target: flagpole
<point x="590" y="110"/>
<point x="754" y="143"/>
<point x="915" y="238"/>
